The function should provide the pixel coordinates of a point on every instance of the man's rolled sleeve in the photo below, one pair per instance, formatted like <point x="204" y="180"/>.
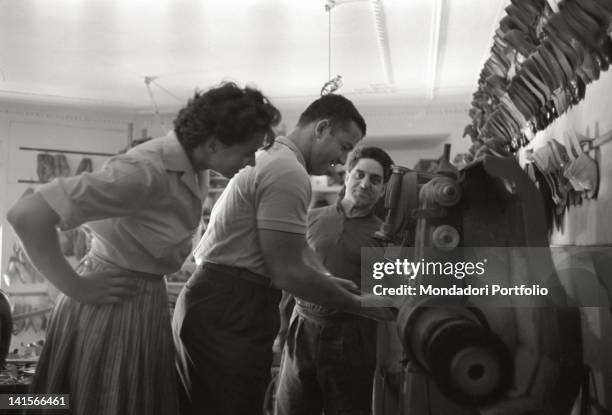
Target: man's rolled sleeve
<point x="283" y="202"/>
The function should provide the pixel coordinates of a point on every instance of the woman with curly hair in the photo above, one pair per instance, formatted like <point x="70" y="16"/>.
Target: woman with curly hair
<point x="109" y="343"/>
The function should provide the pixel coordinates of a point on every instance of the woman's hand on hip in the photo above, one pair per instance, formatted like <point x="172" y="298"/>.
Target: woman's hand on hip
<point x="104" y="287"/>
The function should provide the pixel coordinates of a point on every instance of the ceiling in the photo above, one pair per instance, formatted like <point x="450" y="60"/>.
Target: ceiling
<point x="104" y="51"/>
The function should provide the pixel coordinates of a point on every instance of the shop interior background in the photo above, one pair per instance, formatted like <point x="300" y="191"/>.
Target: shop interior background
<point x="93" y="76"/>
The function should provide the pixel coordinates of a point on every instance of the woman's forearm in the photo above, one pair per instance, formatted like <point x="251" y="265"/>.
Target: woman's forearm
<point x="36" y="225"/>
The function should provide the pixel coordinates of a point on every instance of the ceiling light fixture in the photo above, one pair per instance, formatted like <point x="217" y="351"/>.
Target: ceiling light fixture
<point x="334" y="83"/>
<point x="380" y="24"/>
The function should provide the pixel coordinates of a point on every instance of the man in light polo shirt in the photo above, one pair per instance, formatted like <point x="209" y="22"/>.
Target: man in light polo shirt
<point x="226" y="317"/>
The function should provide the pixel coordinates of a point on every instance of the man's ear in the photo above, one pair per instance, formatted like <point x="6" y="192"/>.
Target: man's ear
<point x="320" y="127"/>
<point x="384" y="189"/>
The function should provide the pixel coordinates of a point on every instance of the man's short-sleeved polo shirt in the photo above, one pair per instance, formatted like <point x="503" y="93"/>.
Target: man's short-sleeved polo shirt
<point x="274" y="195"/>
<point x="338" y="240"/>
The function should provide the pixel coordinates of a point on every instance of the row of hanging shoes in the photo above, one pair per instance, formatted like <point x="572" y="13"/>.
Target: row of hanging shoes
<point x="50" y="166"/>
<point x="20" y="269"/>
<point x="567" y="172"/>
<point x="540" y="65"/>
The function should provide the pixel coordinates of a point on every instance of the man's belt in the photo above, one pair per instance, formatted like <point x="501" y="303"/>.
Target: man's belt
<point x="238" y="272"/>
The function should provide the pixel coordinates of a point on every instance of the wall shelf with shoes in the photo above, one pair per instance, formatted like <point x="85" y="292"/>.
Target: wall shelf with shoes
<point x="53" y="163"/>
<point x="544" y="55"/>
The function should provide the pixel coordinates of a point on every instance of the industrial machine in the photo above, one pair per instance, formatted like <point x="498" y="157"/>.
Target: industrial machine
<point x="478" y="354"/>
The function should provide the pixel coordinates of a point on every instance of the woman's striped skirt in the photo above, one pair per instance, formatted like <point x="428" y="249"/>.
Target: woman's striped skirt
<point x="115" y="359"/>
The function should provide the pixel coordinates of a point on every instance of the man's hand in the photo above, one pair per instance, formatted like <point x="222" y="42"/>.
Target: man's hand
<point x="371" y="300"/>
<point x="378" y="314"/>
<point x="104" y="287"/>
<point x="346" y="284"/>
<point x="376" y="307"/>
<point x="372" y="306"/>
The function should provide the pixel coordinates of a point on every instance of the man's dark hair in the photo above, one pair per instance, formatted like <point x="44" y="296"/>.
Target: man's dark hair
<point x="228" y="112"/>
<point x="337" y="109"/>
<point x="374" y="153"/>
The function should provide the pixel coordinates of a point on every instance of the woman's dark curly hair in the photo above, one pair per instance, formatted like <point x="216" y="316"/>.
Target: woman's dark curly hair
<point x="229" y="113"/>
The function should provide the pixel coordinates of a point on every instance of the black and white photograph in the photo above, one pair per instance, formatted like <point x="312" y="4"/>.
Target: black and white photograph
<point x="306" y="207"/>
